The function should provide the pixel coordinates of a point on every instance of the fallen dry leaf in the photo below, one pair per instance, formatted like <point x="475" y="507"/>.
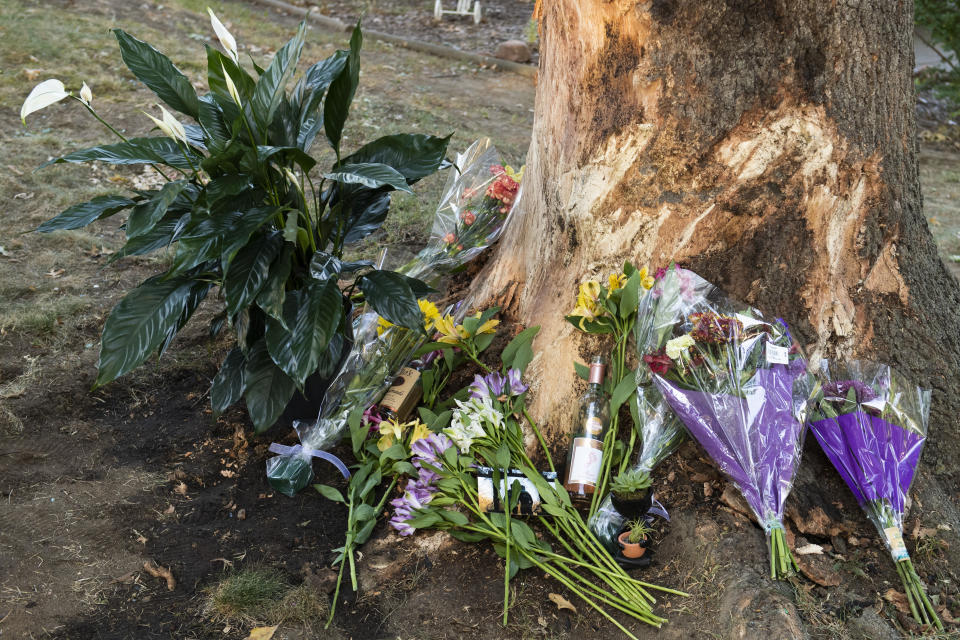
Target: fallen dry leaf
<point x="261" y="633"/>
<point x="897" y="599"/>
<point x="561" y="602"/>
<point x="160" y="572"/>
<point x="181" y="488"/>
<point x="226" y="473"/>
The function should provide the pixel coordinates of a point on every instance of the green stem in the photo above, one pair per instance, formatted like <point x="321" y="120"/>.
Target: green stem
<point x="536" y="432"/>
<point x="114" y="131"/>
<point x="336" y="595"/>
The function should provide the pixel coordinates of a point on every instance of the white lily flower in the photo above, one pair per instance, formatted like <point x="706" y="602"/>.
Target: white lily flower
<point x="231" y="88"/>
<point x="86" y="94"/>
<point x="226" y="38"/>
<point x="43" y="95"/>
<point x="179" y="133"/>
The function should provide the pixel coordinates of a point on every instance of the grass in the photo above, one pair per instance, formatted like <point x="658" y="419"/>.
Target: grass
<point x="263" y="596"/>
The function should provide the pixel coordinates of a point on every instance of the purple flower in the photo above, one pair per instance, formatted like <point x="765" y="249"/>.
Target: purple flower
<point x="495" y="384"/>
<point x="430" y="357"/>
<point x="372" y="418"/>
<point x="429" y="449"/>
<point x="419" y="492"/>
<point x="838" y="390"/>
<point x="516" y="383"/>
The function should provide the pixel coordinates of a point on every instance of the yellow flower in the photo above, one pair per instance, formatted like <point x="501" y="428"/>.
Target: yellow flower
<point x="382" y="325"/>
<point x="487" y="327"/>
<point x="447" y="329"/>
<point x="419" y="431"/>
<point x="588" y="304"/>
<point x="390" y="432"/>
<point x="646" y="280"/>
<point x="430" y="313"/>
<point x="617" y="281"/>
<point x="516" y="175"/>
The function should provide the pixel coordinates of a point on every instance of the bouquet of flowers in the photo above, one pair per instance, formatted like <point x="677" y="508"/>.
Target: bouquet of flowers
<point x="740" y="386"/>
<point x="486" y="431"/>
<point x="872" y="423"/>
<point x="478" y="198"/>
<point x="379" y="351"/>
<point x="669" y="300"/>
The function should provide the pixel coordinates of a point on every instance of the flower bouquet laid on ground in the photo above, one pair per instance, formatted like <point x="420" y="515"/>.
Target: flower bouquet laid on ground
<point x="872" y="423"/>
<point x="486" y="436"/>
<point x="379" y="351"/>
<point x="740" y="386"/>
<point x="478" y="199"/>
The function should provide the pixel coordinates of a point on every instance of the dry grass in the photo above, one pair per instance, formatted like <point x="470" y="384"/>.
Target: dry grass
<point x="263" y="596"/>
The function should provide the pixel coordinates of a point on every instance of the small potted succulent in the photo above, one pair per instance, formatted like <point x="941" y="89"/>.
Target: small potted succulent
<point x="630" y="493"/>
<point x="633" y="541"/>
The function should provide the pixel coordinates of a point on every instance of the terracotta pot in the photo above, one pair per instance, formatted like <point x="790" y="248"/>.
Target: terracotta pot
<point x="631" y="549"/>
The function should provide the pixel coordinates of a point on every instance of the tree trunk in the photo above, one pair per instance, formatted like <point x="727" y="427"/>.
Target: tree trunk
<point x="768" y="145"/>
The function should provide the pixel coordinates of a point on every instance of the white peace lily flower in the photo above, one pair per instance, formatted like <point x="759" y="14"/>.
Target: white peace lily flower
<point x="231" y="88"/>
<point x="179" y="133"/>
<point x="163" y="126"/>
<point x="86" y="94"/>
<point x="678" y="345"/>
<point x="43" y="95"/>
<point x="226" y="38"/>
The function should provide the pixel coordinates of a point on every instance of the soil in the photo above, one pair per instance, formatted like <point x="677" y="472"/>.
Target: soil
<point x="95" y="484"/>
<point x="502" y="20"/>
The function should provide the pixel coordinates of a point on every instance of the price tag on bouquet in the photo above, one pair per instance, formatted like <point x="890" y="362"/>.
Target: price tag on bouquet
<point x="894" y="539"/>
<point x="777" y="354"/>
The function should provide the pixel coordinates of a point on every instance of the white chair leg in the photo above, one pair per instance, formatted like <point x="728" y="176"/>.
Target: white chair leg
<point x="476" y="13"/>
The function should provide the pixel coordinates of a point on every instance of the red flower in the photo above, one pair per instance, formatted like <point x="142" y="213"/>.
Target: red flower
<point x="658" y="361"/>
<point x="450" y="238"/>
<point x="503" y="188"/>
<point x="468" y="218"/>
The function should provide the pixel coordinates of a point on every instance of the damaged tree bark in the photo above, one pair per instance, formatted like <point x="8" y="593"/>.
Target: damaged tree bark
<point x="768" y="145"/>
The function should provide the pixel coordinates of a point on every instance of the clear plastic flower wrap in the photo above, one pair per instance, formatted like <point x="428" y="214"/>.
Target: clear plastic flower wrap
<point x="740" y="386"/>
<point x="670" y="299"/>
<point x="377" y="355"/>
<point x="871" y="422"/>
<point x="479" y="196"/>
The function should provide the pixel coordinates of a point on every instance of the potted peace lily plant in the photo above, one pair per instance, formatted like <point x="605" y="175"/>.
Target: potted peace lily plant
<point x="630" y="493"/>
<point x="633" y="541"/>
<point x="246" y="213"/>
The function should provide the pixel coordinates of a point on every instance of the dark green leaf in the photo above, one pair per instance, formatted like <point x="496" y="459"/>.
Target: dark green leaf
<point x="454" y="517"/>
<point x="225" y="186"/>
<point x="468" y="536"/>
<point x="502" y="456"/>
<point x="198" y="291"/>
<point x="229" y="384"/>
<point x="524" y="338"/>
<point x="80" y="215"/>
<point x="270" y="86"/>
<point x="368" y="211"/>
<point x="166" y="231"/>
<point x="622" y="392"/>
<point x="364" y="534"/>
<point x="582" y="370"/>
<point x="391" y="297"/>
<point x="363" y="512"/>
<point x="156" y="71"/>
<point x="274" y="290"/>
<point x="146" y="215"/>
<point x="249" y="270"/>
<point x="268" y="390"/>
<point x="413" y="155"/>
<point x="324" y="266"/>
<point x="139" y="324"/>
<point x="402" y="466"/>
<point x="284" y="156"/>
<point x="213" y="121"/>
<point x="425" y="521"/>
<point x="311" y="316"/>
<point x="329" y="492"/>
<point x="393" y="452"/>
<point x="336" y="107"/>
<point x="309" y="93"/>
<point x="370" y="174"/>
<point x="216" y="64"/>
<point x="134" y="151"/>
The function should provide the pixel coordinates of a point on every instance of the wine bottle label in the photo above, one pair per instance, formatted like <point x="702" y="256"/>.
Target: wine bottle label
<point x="894" y="540"/>
<point x="593" y="426"/>
<point x="404" y="394"/>
<point x="585" y="461"/>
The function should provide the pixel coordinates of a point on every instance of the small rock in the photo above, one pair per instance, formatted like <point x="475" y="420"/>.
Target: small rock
<point x="809" y="550"/>
<point x="870" y="626"/>
<point x="515" y="50"/>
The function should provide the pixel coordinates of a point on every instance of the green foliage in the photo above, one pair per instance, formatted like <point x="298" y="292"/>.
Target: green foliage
<point x="639" y="530"/>
<point x="631" y="483"/>
<point x="942" y="19"/>
<point x="248" y="212"/>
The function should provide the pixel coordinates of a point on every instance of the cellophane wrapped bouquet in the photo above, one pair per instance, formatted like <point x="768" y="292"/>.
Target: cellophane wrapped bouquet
<point x="739" y="384"/>
<point x="669" y="300"/>
<point x="479" y="196"/>
<point x="379" y="351"/>
<point x="872" y="423"/>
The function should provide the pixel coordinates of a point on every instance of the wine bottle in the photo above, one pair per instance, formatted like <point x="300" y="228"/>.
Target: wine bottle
<point x="404" y="393"/>
<point x="586" y="446"/>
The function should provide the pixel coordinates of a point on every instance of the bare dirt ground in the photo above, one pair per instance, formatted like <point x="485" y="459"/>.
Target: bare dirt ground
<point x="93" y="485"/>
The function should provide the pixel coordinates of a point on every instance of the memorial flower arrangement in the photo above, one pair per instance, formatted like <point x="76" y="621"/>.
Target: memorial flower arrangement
<point x="872" y="424"/>
<point x="739" y="384"/>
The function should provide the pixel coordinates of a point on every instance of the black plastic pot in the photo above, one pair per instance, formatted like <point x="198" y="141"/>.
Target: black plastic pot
<point x="633" y="508"/>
